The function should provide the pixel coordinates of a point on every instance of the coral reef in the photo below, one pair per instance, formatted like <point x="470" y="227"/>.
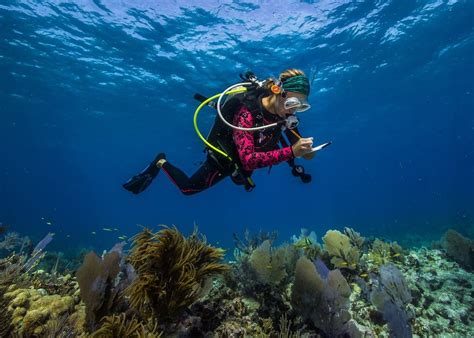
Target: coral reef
<point x="172" y="285"/>
<point x="443" y="294"/>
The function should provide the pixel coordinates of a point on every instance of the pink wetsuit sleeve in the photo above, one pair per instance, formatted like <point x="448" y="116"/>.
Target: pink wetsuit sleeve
<point x="244" y="141"/>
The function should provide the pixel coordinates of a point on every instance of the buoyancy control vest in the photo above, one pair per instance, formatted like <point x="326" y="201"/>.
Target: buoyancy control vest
<point x="221" y="135"/>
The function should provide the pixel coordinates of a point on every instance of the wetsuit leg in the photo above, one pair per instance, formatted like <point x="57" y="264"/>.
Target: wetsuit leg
<point x="206" y="176"/>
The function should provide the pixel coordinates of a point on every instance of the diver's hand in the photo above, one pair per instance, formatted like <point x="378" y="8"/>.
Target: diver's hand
<point x="309" y="156"/>
<point x="302" y="147"/>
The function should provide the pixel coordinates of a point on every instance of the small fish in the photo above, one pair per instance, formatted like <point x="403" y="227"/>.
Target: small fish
<point x="268" y="266"/>
<point x="396" y="255"/>
<point x="42" y="218"/>
<point x="344" y="264"/>
<point x="123" y="238"/>
<point x="68" y="236"/>
<point x="93" y="232"/>
<point x="106" y="229"/>
<point x="49" y="223"/>
<point x="363" y="275"/>
<point x="115" y="229"/>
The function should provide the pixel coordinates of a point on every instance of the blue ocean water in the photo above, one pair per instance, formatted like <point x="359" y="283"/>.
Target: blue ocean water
<point x="91" y="91"/>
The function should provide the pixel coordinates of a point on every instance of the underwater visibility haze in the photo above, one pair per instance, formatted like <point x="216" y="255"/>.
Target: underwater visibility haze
<point x="92" y="90"/>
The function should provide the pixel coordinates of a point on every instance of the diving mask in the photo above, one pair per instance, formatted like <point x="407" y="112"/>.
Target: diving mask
<point x="296" y="104"/>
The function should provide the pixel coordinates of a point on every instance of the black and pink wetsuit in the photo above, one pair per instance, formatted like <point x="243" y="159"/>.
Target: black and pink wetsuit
<point x="255" y="150"/>
<point x="251" y="145"/>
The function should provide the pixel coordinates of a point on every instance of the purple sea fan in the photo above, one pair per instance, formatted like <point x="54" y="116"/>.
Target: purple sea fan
<point x="389" y="295"/>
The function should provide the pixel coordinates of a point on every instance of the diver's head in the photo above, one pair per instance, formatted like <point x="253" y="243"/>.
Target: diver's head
<point x="289" y="93"/>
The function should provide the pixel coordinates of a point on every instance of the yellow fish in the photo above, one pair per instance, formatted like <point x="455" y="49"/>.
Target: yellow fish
<point x="344" y="264"/>
<point x="396" y="255"/>
<point x="106" y="229"/>
<point x="363" y="275"/>
<point x="93" y="232"/>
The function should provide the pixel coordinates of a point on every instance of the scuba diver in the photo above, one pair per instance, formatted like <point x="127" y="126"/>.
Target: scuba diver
<point x="248" y="133"/>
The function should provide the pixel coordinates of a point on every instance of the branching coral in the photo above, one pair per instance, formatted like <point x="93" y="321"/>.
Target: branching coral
<point x="171" y="272"/>
<point x="13" y="240"/>
<point x="119" y="327"/>
<point x="285" y="328"/>
<point x="343" y="254"/>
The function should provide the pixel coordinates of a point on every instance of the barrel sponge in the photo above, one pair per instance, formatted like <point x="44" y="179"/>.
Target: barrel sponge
<point x="343" y="254"/>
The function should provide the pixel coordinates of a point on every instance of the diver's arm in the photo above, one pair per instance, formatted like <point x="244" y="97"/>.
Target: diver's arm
<point x="244" y="141"/>
<point x="293" y="136"/>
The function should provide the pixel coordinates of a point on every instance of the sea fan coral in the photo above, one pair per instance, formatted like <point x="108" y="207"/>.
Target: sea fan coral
<point x="459" y="248"/>
<point x="172" y="271"/>
<point x="355" y="238"/>
<point x="268" y="264"/>
<point x="390" y="294"/>
<point x="322" y="297"/>
<point x="343" y="254"/>
<point x="96" y="279"/>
